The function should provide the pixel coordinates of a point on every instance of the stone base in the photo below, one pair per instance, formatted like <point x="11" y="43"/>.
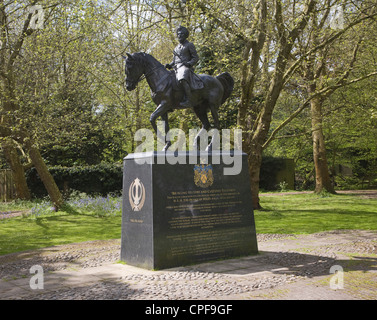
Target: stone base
<point x="182" y="214"/>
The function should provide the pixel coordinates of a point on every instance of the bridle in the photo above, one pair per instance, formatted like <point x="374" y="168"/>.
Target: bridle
<point x="146" y="75"/>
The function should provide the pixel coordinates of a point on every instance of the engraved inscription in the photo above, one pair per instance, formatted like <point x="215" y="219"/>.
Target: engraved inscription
<point x="206" y="242"/>
<point x="136" y="220"/>
<point x="205" y="222"/>
<point x="202" y="200"/>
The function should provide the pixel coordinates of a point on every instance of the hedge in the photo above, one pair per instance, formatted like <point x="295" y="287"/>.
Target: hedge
<point x="99" y="179"/>
<point x="276" y="170"/>
<point x="107" y="178"/>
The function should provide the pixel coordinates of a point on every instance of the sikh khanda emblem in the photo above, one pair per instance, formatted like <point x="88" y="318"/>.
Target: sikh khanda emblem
<point x="136" y="195"/>
<point x="203" y="176"/>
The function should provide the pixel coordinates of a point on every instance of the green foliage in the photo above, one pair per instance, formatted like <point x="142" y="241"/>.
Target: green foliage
<point x="69" y="83"/>
<point x="99" y="179"/>
<point x="269" y="173"/>
<point x="283" y="186"/>
<point x="81" y="203"/>
<point x="42" y="208"/>
<point x="98" y="206"/>
<point x="269" y="169"/>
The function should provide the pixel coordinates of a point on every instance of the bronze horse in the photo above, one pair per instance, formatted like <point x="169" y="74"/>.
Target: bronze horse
<point x="167" y="94"/>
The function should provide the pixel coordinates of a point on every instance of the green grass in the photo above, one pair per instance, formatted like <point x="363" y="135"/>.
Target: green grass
<point x="310" y="213"/>
<point x="82" y="219"/>
<point x="289" y="214"/>
<point x="20" y="234"/>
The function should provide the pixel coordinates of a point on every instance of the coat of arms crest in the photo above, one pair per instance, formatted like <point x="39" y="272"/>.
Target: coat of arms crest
<point x="203" y="176"/>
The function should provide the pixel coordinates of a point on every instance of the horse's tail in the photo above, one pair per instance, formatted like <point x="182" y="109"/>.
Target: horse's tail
<point x="228" y="84"/>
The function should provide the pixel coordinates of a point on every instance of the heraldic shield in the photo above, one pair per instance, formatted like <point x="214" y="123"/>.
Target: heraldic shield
<point x="203" y="176"/>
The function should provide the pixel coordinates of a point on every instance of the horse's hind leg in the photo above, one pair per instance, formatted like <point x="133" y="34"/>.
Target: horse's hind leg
<point x="202" y="115"/>
<point x="216" y="134"/>
<point x="215" y="116"/>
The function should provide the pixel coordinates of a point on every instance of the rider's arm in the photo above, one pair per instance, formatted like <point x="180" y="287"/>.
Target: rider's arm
<point x="194" y="55"/>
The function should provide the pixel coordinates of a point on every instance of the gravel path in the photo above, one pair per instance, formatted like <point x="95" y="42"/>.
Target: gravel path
<point x="287" y="267"/>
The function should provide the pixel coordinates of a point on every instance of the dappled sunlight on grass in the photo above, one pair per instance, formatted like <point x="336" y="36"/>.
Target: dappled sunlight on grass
<point x="19" y="234"/>
<point x="94" y="219"/>
<point x="100" y="219"/>
<point x="309" y="213"/>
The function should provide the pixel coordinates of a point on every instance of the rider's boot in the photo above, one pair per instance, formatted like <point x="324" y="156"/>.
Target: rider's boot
<point x="188" y="102"/>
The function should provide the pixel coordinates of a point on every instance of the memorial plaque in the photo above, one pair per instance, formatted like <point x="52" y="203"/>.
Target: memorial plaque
<point x="184" y="213"/>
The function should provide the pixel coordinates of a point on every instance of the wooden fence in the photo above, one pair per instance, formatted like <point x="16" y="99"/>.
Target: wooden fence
<point x="7" y="188"/>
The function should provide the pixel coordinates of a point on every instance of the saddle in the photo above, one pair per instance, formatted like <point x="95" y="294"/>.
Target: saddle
<point x="166" y="81"/>
<point x="171" y="80"/>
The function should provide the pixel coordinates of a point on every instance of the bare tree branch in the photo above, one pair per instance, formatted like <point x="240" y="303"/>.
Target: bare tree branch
<point x="324" y="43"/>
<point x="26" y="31"/>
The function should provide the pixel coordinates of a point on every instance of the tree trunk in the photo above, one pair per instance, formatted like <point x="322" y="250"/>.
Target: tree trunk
<point x="255" y="161"/>
<point x="47" y="179"/>
<point x="18" y="172"/>
<point x="322" y="175"/>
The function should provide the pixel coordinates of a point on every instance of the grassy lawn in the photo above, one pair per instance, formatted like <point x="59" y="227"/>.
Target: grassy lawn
<point x="299" y="213"/>
<point x="20" y="234"/>
<point x="84" y="219"/>
<point x="309" y="213"/>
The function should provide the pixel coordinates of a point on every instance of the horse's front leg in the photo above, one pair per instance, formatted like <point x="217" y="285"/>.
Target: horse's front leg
<point x="157" y="113"/>
<point x="164" y="118"/>
<point x="161" y="111"/>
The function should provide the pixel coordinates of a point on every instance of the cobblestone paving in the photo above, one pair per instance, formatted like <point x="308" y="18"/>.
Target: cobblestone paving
<point x="288" y="267"/>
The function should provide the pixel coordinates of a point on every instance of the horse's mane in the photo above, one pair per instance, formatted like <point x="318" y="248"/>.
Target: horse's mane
<point x="145" y="58"/>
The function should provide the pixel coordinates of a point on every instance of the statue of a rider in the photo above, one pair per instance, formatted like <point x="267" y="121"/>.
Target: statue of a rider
<point x="185" y="57"/>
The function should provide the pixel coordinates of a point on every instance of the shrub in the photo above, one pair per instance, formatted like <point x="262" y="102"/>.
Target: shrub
<point x="275" y="171"/>
<point x="92" y="180"/>
<point x="42" y="208"/>
<point x="99" y="206"/>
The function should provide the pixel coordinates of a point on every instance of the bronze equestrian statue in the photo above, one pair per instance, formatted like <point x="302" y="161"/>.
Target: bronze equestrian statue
<point x="185" y="58"/>
<point x="180" y="88"/>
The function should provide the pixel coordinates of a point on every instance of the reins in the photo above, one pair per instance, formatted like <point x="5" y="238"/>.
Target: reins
<point x="144" y="76"/>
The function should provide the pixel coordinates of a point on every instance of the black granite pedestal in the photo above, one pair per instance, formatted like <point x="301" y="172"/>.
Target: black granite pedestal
<point x="185" y="213"/>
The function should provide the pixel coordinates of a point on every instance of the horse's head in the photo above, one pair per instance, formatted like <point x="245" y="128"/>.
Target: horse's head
<point x="134" y="70"/>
